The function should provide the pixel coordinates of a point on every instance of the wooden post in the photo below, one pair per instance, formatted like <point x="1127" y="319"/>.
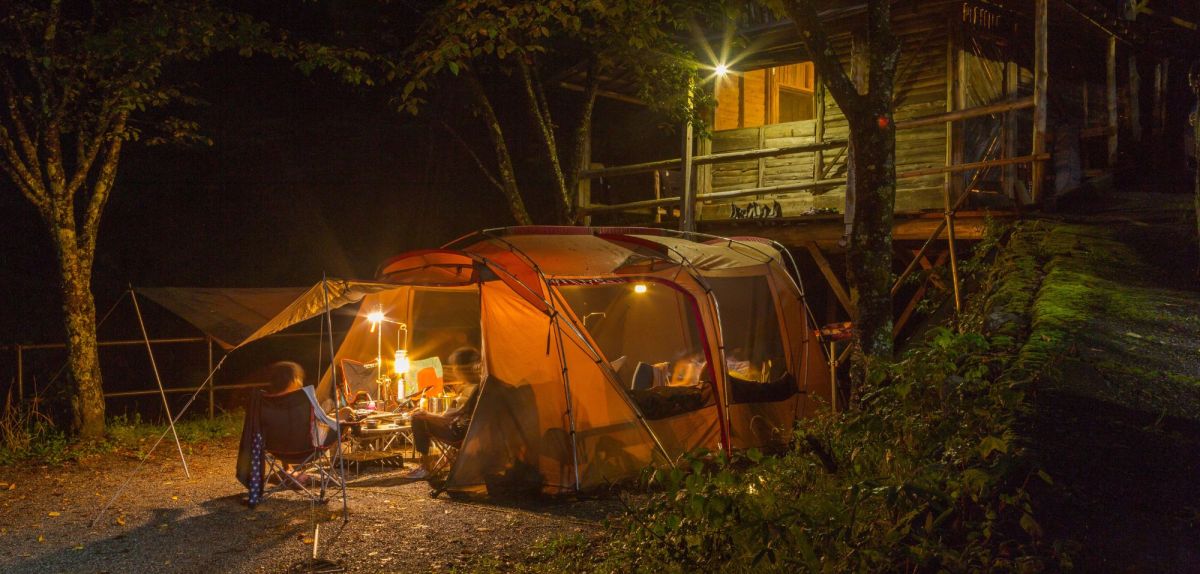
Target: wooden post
<point x="1160" y="101"/>
<point x="1008" y="175"/>
<point x="1110" y="94"/>
<point x="687" y="197"/>
<point x="762" y="161"/>
<point x="834" y="284"/>
<point x="656" y="210"/>
<point x="952" y="59"/>
<point x="1135" y="105"/>
<point x="20" y="373"/>
<point x="583" y="195"/>
<point x="212" y="399"/>
<point x="1040" y="80"/>
<point x="1135" y="85"/>
<point x="819" y="131"/>
<point x="953" y="260"/>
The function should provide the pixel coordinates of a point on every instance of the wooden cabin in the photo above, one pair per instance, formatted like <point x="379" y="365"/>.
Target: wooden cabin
<point x="1001" y="106"/>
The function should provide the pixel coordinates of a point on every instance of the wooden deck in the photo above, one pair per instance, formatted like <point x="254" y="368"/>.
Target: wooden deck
<point x="826" y="230"/>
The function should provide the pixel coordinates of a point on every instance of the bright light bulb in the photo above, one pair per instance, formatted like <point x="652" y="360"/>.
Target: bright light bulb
<point x="375" y="316"/>
<point x="401" y="364"/>
<point x="639" y="288"/>
<point x="722" y="69"/>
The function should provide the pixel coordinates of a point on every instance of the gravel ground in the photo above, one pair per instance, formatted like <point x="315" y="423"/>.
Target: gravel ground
<point x="165" y="522"/>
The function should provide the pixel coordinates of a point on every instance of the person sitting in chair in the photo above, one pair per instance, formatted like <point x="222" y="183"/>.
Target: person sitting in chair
<point x="465" y="366"/>
<point x="284" y="377"/>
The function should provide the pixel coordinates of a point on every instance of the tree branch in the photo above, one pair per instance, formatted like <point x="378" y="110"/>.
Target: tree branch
<point x="88" y="147"/>
<point x="804" y="14"/>
<point x="103" y="188"/>
<point x="541" y="119"/>
<point x="28" y="145"/>
<point x="508" y="175"/>
<point x="474" y="156"/>
<point x="583" y="132"/>
<point x="20" y="175"/>
<point x="17" y="173"/>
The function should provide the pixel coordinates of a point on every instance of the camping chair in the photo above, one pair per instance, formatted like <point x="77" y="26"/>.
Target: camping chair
<point x="296" y="432"/>
<point x="359" y="379"/>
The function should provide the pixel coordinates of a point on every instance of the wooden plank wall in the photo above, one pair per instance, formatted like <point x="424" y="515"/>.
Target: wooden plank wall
<point x="921" y="79"/>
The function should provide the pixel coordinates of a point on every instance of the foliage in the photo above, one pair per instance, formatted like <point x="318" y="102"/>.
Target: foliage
<point x="498" y="53"/>
<point x="640" y="38"/>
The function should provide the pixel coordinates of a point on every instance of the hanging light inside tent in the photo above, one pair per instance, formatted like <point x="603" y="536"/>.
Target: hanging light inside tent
<point x="639" y="288"/>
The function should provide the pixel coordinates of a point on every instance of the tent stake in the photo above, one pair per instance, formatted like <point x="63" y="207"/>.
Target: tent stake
<point x="158" y="379"/>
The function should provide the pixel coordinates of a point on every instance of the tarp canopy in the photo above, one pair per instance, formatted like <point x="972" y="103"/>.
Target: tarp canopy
<point x="237" y="316"/>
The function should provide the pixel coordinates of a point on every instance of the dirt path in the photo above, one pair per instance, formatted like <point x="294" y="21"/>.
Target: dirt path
<point x="167" y="523"/>
<point x="1117" y="420"/>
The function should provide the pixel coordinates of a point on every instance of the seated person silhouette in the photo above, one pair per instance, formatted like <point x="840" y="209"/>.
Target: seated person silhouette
<point x="465" y="365"/>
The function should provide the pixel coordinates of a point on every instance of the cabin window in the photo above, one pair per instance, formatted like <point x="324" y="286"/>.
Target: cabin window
<point x="767" y="96"/>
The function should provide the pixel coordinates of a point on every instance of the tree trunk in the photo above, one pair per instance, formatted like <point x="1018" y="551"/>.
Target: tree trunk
<point x="868" y="111"/>
<point x="79" y="313"/>
<point x="869" y="255"/>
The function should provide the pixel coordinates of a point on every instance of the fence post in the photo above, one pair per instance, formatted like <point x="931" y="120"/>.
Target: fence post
<point x="20" y="373"/>
<point x="1041" y="79"/>
<point x="213" y="383"/>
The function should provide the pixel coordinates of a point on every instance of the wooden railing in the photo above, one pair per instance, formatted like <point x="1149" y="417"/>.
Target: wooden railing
<point x="588" y="208"/>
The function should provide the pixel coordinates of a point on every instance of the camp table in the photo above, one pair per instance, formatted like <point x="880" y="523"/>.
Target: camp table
<point x="383" y="442"/>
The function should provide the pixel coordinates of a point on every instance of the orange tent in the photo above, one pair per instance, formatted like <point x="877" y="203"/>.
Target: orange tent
<point x="604" y="350"/>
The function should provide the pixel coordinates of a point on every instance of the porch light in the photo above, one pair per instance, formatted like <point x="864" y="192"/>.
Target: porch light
<point x="721" y="70"/>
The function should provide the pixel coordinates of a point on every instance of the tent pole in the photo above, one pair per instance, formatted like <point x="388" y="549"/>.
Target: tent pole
<point x="158" y="379"/>
<point x="333" y="389"/>
<point x="562" y="360"/>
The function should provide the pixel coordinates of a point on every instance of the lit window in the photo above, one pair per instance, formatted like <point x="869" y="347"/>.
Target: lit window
<point x="767" y="96"/>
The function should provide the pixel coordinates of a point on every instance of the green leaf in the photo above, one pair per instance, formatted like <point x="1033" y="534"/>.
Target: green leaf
<point x="992" y="444"/>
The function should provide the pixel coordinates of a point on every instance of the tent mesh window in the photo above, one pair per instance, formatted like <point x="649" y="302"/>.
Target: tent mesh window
<point x="755" y="360"/>
<point x="650" y="334"/>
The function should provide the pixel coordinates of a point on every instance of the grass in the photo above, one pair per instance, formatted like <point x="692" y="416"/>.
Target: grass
<point x="27" y="435"/>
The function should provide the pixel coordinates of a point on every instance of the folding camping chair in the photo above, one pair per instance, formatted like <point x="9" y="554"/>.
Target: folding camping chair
<point x="359" y="379"/>
<point x="296" y="432"/>
<point x="447" y="452"/>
